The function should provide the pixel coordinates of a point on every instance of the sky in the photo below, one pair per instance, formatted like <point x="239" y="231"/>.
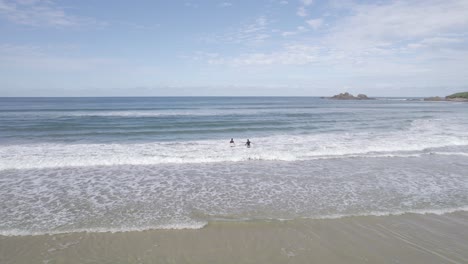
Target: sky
<point x="233" y="48"/>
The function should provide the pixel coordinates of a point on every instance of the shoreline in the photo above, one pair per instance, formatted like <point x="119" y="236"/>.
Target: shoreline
<point x="201" y="224"/>
<point x="407" y="238"/>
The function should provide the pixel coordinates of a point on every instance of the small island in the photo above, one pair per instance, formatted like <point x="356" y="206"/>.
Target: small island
<point x="348" y="96"/>
<point x="456" y="97"/>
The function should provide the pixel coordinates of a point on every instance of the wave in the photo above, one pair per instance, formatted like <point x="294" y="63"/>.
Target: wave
<point x="120" y="198"/>
<point x="55" y="156"/>
<point x="178" y="226"/>
<point x="141" y="113"/>
<point x="396" y="213"/>
<point x="396" y="99"/>
<point x="200" y="225"/>
<point x="449" y="153"/>
<point x="422" y="138"/>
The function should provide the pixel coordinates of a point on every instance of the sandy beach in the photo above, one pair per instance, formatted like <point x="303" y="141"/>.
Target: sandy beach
<point x="234" y="132"/>
<point x="408" y="238"/>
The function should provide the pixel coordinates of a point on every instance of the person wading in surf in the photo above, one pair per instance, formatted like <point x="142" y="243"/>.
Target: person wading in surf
<point x="232" y="142"/>
<point x="248" y="143"/>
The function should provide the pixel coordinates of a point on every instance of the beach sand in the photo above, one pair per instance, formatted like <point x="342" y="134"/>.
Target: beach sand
<point x="408" y="238"/>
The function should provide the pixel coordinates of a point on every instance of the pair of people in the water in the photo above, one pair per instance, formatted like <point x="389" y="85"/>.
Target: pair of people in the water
<point x="246" y="143"/>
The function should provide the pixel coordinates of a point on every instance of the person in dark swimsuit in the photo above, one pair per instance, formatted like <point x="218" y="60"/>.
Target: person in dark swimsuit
<point x="248" y="143"/>
<point x="232" y="142"/>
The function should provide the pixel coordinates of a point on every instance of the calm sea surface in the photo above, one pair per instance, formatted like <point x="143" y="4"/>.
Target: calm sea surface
<point x="105" y="164"/>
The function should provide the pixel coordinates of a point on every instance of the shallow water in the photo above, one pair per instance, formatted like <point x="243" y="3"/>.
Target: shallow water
<point x="408" y="238"/>
<point x="121" y="164"/>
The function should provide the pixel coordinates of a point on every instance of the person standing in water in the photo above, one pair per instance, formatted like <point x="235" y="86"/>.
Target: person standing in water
<point x="232" y="142"/>
<point x="248" y="143"/>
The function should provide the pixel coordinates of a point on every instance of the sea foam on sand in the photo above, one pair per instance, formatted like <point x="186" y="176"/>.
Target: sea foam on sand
<point x="409" y="238"/>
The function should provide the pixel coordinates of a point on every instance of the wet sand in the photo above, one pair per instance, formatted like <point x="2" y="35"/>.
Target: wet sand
<point x="409" y="238"/>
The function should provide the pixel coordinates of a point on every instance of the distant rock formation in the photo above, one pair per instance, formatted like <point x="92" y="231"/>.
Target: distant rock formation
<point x="362" y="97"/>
<point x="434" y="99"/>
<point x="348" y="96"/>
<point x="457" y="97"/>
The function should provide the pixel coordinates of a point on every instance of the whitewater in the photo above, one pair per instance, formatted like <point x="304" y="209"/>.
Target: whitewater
<point x="123" y="164"/>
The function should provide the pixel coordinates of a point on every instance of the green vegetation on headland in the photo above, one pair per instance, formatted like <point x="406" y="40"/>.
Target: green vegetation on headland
<point x="456" y="97"/>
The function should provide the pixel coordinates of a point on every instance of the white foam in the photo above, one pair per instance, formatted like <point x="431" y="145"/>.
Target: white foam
<point x="180" y="226"/>
<point x="200" y="225"/>
<point x="422" y="136"/>
<point x="140" y="113"/>
<point x="396" y="213"/>
<point x="373" y="213"/>
<point x="450" y="153"/>
<point x="397" y="99"/>
<point x="126" y="198"/>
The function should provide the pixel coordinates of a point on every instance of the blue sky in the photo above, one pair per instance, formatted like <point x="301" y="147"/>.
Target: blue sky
<point x="264" y="47"/>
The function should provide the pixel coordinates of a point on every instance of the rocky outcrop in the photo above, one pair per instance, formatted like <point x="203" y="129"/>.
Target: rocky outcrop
<point x="362" y="97"/>
<point x="434" y="99"/>
<point x="348" y="96"/>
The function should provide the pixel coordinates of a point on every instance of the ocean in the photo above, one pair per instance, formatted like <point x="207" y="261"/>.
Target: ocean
<point x="70" y="165"/>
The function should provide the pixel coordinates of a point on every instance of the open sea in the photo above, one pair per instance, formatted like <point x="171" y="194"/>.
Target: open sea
<point x="125" y="164"/>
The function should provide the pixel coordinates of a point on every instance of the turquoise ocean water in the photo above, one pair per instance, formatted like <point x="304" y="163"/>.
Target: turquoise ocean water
<point x="118" y="164"/>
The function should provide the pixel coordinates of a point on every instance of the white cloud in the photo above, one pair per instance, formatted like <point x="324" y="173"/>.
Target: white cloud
<point x="374" y="31"/>
<point x="253" y="33"/>
<point x="190" y="4"/>
<point x="315" y="23"/>
<point x="377" y="42"/>
<point x="301" y="11"/>
<point x="225" y="4"/>
<point x="41" y="13"/>
<point x="299" y="30"/>
<point x="210" y="57"/>
<point x="284" y="2"/>
<point x="293" y="54"/>
<point x="415" y="45"/>
<point x="382" y="25"/>
<point x="435" y="42"/>
<point x="412" y="39"/>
